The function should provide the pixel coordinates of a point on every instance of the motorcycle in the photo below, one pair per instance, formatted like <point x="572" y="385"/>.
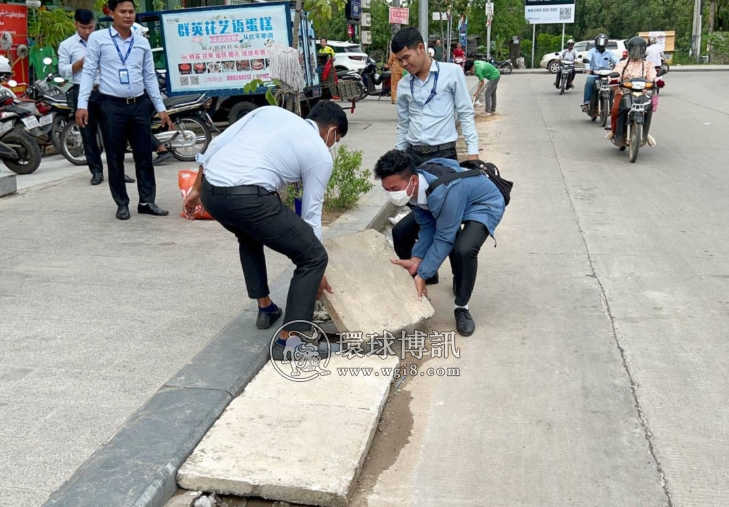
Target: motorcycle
<point x="373" y="76"/>
<point x="637" y="102"/>
<point x="20" y="153"/>
<point x="188" y="113"/>
<point x="354" y="77"/>
<point x="566" y="69"/>
<point x="460" y="61"/>
<point x="504" y="66"/>
<point x="601" y="100"/>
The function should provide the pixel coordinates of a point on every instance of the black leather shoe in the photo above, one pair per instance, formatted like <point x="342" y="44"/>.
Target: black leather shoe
<point x="433" y="280"/>
<point x="162" y="157"/>
<point x="97" y="179"/>
<point x="127" y="179"/>
<point x="464" y="323"/>
<point x="122" y="213"/>
<point x="151" y="209"/>
<point x="266" y="320"/>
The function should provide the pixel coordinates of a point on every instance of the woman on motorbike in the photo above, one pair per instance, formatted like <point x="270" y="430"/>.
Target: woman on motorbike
<point x="634" y="67"/>
<point x="459" y="56"/>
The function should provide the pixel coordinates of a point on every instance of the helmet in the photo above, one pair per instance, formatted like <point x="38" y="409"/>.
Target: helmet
<point x="653" y="40"/>
<point x="5" y="66"/>
<point x="431" y="52"/>
<point x="136" y="27"/>
<point x="636" y="48"/>
<point x="571" y="41"/>
<point x="601" y="42"/>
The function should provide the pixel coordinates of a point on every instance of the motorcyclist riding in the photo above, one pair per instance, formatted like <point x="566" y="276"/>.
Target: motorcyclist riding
<point x="634" y="67"/>
<point x="568" y="55"/>
<point x="600" y="59"/>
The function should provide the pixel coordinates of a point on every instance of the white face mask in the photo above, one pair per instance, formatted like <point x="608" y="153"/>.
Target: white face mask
<point x="400" y="197"/>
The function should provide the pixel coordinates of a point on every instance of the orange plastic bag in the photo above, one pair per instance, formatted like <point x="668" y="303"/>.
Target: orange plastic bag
<point x="185" y="180"/>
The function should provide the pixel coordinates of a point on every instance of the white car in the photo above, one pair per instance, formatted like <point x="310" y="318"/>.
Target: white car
<point x="550" y="61"/>
<point x="347" y="55"/>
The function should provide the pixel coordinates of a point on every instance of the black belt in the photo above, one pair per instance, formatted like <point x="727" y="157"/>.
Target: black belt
<point x="124" y="100"/>
<point x="431" y="149"/>
<point x="78" y="87"/>
<point x="239" y="190"/>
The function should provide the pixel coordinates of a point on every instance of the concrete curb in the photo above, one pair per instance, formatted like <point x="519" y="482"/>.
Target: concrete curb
<point x="137" y="467"/>
<point x="8" y="184"/>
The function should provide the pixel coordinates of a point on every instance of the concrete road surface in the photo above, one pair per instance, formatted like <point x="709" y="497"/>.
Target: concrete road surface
<point x="598" y="372"/>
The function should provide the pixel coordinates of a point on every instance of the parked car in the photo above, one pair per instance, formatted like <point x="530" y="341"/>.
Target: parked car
<point x="550" y="61"/>
<point x="347" y="55"/>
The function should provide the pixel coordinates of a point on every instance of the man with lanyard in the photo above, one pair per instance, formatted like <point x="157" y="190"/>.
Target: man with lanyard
<point x="71" y="53"/>
<point x="568" y="55"/>
<point x="240" y="176"/>
<point x="128" y="83"/>
<point x="429" y="102"/>
<point x="600" y="59"/>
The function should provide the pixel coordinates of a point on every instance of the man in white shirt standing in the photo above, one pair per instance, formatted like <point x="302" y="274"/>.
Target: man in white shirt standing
<point x="654" y="53"/>
<point x="429" y="102"/>
<point x="240" y="176"/>
<point x="71" y="55"/>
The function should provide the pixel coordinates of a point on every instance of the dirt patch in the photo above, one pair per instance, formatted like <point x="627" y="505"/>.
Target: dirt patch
<point x="328" y="216"/>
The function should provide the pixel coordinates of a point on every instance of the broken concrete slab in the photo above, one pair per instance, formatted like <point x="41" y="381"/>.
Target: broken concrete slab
<point x="8" y="184"/>
<point x="298" y="442"/>
<point x="371" y="294"/>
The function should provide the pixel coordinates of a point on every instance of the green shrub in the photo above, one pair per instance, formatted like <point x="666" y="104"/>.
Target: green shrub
<point x="348" y="181"/>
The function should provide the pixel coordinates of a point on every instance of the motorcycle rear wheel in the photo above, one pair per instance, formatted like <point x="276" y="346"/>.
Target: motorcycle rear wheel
<point x="59" y="123"/>
<point x="72" y="146"/>
<point x="636" y="137"/>
<point x="203" y="135"/>
<point x="604" y="107"/>
<point x="27" y="149"/>
<point x="507" y="70"/>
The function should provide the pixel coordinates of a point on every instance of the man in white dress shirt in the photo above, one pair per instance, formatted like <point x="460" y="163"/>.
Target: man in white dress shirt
<point x="240" y="176"/>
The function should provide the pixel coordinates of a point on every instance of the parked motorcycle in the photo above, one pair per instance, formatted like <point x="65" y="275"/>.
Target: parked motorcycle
<point x="566" y="69"/>
<point x="504" y="66"/>
<point x="189" y="114"/>
<point x="355" y="77"/>
<point x="20" y="153"/>
<point x="373" y="76"/>
<point x="637" y="101"/>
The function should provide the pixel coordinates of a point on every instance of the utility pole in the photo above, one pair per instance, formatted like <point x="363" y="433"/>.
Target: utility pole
<point x="489" y="17"/>
<point x="395" y="28"/>
<point x="423" y="20"/>
<point x="696" y="36"/>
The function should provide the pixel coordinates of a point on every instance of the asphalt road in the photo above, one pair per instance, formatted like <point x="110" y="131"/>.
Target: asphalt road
<point x="598" y="372"/>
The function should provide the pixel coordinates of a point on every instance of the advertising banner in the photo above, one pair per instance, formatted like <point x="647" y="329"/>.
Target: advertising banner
<point x="399" y="15"/>
<point x="14" y="19"/>
<point x="222" y="49"/>
<point x="549" y="11"/>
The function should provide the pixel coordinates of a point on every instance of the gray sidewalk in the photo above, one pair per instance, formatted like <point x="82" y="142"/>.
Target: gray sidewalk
<point x="97" y="314"/>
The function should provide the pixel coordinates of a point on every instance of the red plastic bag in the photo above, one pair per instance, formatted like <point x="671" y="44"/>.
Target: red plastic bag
<point x="185" y="180"/>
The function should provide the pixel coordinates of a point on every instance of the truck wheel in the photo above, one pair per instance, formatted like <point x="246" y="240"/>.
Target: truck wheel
<point x="239" y="110"/>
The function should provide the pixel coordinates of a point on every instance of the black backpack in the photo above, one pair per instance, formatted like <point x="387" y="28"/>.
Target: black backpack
<point x="476" y="168"/>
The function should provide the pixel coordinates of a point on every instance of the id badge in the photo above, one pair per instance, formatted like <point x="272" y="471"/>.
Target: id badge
<point x="124" y="76"/>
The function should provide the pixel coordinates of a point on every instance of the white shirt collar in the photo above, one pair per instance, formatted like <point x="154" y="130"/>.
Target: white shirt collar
<point x="422" y="198"/>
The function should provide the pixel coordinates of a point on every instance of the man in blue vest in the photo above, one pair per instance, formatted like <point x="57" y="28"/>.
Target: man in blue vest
<point x="474" y="202"/>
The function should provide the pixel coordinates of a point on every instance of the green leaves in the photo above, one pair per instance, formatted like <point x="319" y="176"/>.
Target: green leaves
<point x="54" y="25"/>
<point x="322" y="11"/>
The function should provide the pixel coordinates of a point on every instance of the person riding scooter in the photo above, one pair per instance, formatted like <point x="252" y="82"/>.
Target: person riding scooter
<point x="636" y="66"/>
<point x="599" y="59"/>
<point x="568" y="55"/>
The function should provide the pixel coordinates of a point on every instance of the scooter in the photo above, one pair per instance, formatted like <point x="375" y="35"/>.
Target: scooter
<point x="460" y="61"/>
<point x="636" y="107"/>
<point x="20" y="153"/>
<point x="504" y="66"/>
<point x="566" y="69"/>
<point x="601" y="99"/>
<point x="372" y="76"/>
<point x="192" y="136"/>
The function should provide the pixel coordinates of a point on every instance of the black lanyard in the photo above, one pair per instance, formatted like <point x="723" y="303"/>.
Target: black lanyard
<point x="131" y="45"/>
<point x="432" y="92"/>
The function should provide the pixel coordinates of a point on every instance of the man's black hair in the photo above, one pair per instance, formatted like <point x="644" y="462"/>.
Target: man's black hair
<point x="326" y="113"/>
<point x="468" y="65"/>
<point x="395" y="162"/>
<point x="84" y="16"/>
<point x="113" y="4"/>
<point x="407" y="37"/>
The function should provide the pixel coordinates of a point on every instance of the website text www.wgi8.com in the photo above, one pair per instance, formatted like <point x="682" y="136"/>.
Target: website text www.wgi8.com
<point x="405" y="370"/>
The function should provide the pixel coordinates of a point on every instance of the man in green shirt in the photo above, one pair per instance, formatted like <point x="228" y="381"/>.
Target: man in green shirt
<point x="438" y="51"/>
<point x="484" y="71"/>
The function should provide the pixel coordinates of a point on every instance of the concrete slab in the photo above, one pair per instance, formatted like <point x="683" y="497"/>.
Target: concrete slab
<point x="8" y="184"/>
<point x="371" y="294"/>
<point x="299" y="442"/>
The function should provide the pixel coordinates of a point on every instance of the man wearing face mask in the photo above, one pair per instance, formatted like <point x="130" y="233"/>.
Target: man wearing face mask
<point x="240" y="176"/>
<point x="474" y="202"/>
